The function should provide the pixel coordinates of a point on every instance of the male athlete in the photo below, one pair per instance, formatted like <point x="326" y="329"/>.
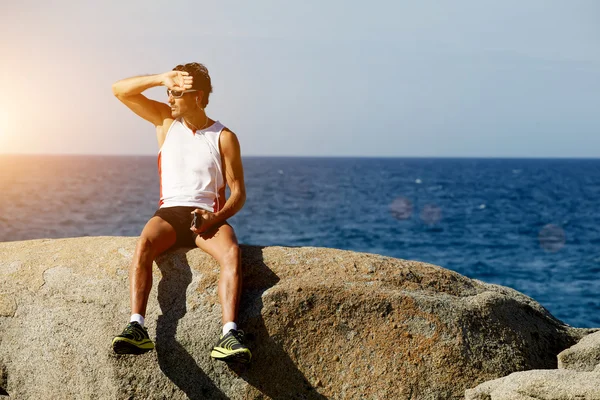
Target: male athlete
<point x="197" y="157"/>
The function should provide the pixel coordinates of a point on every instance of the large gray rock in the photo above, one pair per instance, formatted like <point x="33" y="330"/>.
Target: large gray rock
<point x="584" y="356"/>
<point x="577" y="378"/>
<point x="324" y="323"/>
<point x="559" y="384"/>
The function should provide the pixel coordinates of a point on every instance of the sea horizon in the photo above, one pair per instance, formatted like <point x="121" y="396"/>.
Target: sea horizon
<point x="326" y="156"/>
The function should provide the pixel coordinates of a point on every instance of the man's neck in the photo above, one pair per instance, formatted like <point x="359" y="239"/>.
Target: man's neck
<point x="197" y="121"/>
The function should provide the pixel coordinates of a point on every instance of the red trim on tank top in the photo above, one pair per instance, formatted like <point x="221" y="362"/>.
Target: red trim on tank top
<point x="160" y="201"/>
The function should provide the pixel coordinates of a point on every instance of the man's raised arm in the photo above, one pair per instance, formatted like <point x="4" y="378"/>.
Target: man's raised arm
<point x="129" y="91"/>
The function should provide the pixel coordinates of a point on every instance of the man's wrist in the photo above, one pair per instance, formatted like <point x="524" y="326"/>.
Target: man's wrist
<point x="161" y="79"/>
<point x="218" y="217"/>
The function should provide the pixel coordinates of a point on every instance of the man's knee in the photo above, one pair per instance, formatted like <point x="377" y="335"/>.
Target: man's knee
<point x="145" y="247"/>
<point x="231" y="257"/>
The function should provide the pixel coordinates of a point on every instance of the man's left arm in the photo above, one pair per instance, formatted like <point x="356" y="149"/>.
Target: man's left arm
<point x="234" y="175"/>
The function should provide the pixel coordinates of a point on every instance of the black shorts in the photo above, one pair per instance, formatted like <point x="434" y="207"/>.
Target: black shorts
<point x="180" y="218"/>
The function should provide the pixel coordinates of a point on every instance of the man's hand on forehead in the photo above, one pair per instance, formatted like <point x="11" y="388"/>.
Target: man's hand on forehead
<point x="178" y="80"/>
<point x="184" y="80"/>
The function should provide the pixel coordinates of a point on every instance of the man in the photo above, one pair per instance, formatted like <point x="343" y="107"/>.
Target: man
<point x="197" y="157"/>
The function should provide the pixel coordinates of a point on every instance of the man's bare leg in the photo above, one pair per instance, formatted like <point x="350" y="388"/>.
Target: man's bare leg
<point x="157" y="236"/>
<point x="222" y="244"/>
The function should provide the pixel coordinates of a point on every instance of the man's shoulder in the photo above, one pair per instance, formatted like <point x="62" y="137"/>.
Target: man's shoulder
<point x="161" y="130"/>
<point x="225" y="130"/>
<point x="168" y="123"/>
<point x="228" y="140"/>
<point x="227" y="135"/>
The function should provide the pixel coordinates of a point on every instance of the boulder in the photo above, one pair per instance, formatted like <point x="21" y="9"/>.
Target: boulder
<point x="584" y="356"/>
<point x="577" y="377"/>
<point x="321" y="323"/>
<point x="559" y="384"/>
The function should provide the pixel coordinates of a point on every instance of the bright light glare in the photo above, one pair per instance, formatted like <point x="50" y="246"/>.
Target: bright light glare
<point x="3" y="122"/>
<point x="6" y="128"/>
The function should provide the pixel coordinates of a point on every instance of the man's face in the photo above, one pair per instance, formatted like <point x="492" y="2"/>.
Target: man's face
<point x="180" y="105"/>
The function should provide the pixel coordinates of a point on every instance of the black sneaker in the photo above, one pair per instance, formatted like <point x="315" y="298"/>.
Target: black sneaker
<point x="133" y="340"/>
<point x="230" y="348"/>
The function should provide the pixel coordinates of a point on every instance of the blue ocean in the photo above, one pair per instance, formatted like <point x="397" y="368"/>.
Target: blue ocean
<point x="530" y="224"/>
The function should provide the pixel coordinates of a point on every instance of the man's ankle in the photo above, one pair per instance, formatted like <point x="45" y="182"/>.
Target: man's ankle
<point x="139" y="318"/>
<point x="229" y="326"/>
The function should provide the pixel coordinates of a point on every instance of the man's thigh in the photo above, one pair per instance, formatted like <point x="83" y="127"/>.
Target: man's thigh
<point x="218" y="241"/>
<point x="160" y="234"/>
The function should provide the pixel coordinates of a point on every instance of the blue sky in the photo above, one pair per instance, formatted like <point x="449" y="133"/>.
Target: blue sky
<point x="312" y="78"/>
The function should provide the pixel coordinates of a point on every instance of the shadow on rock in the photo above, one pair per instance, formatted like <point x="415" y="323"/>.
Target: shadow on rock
<point x="271" y="371"/>
<point x="175" y="362"/>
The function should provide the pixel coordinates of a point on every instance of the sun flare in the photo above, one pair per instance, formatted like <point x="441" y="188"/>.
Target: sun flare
<point x="3" y="122"/>
<point x="6" y="129"/>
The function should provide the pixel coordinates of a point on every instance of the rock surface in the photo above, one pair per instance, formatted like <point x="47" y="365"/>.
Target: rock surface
<point x="322" y="323"/>
<point x="584" y="356"/>
<point x="577" y="378"/>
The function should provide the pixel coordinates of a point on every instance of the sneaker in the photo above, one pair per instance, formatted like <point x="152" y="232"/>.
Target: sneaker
<point x="230" y="348"/>
<point x="133" y="340"/>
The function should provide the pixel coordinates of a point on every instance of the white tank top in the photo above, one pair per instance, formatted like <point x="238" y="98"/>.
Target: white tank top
<point x="189" y="167"/>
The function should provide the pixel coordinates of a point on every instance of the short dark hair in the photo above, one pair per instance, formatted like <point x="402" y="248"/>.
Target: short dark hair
<point x="201" y="78"/>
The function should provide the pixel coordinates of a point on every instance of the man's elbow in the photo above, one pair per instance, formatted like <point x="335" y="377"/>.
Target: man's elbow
<point x="117" y="90"/>
<point x="241" y="198"/>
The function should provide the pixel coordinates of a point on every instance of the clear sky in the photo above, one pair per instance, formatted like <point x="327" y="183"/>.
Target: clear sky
<point x="506" y="78"/>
